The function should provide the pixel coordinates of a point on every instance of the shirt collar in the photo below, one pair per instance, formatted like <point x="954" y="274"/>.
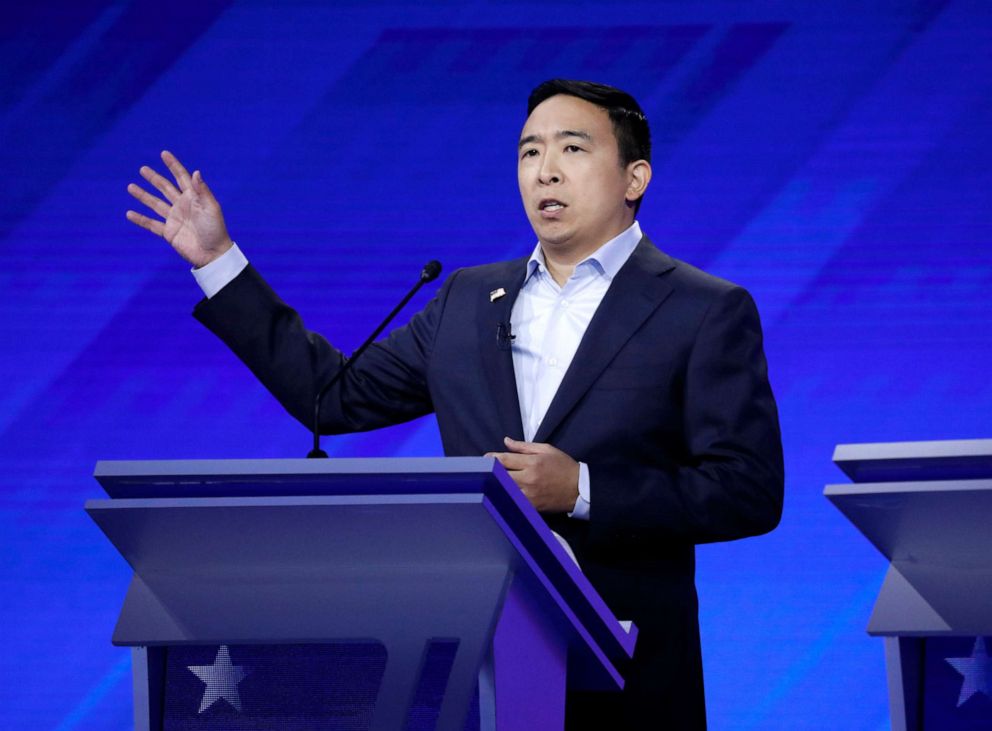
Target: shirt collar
<point x="606" y="260"/>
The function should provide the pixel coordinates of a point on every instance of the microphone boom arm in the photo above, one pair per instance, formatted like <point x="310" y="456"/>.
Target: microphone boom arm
<point x="429" y="273"/>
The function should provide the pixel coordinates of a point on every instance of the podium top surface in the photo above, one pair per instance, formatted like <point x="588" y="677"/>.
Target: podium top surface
<point x="963" y="459"/>
<point x="298" y="477"/>
<point x="919" y="501"/>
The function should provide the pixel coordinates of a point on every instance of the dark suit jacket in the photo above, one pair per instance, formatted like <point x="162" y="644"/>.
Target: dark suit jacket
<point x="667" y="400"/>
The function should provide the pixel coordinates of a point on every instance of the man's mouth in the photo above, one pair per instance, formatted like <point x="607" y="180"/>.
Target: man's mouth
<point x="550" y="205"/>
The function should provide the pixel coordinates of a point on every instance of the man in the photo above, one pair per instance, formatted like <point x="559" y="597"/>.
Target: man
<point x="624" y="391"/>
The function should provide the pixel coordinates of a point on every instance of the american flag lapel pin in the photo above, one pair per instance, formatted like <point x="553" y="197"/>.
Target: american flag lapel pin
<point x="496" y="294"/>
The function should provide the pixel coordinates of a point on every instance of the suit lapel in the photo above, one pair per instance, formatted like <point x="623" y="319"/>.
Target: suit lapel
<point x="636" y="292"/>
<point x="497" y="361"/>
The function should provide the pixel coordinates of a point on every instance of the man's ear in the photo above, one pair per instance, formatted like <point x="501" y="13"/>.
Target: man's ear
<point x="638" y="176"/>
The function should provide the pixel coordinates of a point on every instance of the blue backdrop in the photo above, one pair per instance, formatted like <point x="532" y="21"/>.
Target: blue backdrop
<point x="834" y="158"/>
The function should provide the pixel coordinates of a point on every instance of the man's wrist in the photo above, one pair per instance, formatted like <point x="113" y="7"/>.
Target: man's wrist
<point x="216" y="275"/>
<point x="582" y="502"/>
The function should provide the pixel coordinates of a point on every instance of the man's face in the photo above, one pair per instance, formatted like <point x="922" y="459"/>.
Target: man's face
<point x="571" y="182"/>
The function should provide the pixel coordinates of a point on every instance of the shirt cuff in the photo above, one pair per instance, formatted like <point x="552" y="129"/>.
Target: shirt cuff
<point x="581" y="509"/>
<point x="216" y="275"/>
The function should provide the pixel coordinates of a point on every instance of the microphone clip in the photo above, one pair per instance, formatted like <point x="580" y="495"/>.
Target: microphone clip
<point x="504" y="336"/>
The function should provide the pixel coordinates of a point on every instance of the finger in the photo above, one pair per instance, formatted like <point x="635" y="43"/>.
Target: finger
<point x="178" y="171"/>
<point x="156" y="204"/>
<point x="524" y="447"/>
<point x="162" y="185"/>
<point x="510" y="460"/>
<point x="156" y="227"/>
<point x="200" y="187"/>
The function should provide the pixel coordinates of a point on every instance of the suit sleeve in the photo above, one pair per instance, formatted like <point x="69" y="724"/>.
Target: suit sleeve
<point x="387" y="386"/>
<point x="728" y="480"/>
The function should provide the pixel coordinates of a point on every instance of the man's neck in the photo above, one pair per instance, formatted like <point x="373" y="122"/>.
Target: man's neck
<point x="560" y="272"/>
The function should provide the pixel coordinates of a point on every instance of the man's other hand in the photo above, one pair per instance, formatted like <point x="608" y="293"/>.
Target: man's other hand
<point x="547" y="476"/>
<point x="191" y="217"/>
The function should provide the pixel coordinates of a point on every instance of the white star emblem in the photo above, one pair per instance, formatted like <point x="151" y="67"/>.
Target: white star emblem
<point x="976" y="670"/>
<point x="221" y="680"/>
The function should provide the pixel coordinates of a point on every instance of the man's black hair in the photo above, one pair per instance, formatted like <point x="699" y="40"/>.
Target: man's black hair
<point x="630" y="125"/>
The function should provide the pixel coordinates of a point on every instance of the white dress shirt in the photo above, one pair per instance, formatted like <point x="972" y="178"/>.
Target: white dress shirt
<point x="547" y="322"/>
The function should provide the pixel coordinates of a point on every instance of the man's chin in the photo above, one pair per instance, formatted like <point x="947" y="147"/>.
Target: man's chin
<point x="554" y="235"/>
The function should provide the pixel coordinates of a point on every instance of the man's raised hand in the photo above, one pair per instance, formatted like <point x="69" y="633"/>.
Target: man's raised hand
<point x="191" y="219"/>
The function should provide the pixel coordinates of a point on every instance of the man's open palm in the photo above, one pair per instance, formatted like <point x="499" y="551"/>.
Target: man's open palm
<point x="191" y="219"/>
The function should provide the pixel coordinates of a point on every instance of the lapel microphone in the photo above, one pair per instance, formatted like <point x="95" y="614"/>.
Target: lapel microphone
<point x="428" y="274"/>
<point x="504" y="335"/>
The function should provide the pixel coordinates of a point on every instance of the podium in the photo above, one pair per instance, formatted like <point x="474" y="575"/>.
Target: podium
<point x="267" y="590"/>
<point x="927" y="507"/>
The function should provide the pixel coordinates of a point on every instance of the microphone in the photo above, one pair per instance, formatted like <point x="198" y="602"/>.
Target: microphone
<point x="428" y="274"/>
<point x="504" y="336"/>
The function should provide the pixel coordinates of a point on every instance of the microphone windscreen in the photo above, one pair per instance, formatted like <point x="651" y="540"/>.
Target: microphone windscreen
<point x="430" y="272"/>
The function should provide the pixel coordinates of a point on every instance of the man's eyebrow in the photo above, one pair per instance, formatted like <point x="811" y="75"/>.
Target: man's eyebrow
<point x="559" y="135"/>
<point x="528" y="139"/>
<point x="573" y="133"/>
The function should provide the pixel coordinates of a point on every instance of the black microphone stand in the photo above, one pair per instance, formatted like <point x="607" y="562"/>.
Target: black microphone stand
<point x="429" y="274"/>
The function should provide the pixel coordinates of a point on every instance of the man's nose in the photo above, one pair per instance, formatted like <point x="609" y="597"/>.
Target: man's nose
<point x="549" y="172"/>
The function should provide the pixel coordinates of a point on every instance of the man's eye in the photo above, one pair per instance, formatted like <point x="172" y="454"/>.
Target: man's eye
<point x="572" y="148"/>
<point x="529" y="153"/>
